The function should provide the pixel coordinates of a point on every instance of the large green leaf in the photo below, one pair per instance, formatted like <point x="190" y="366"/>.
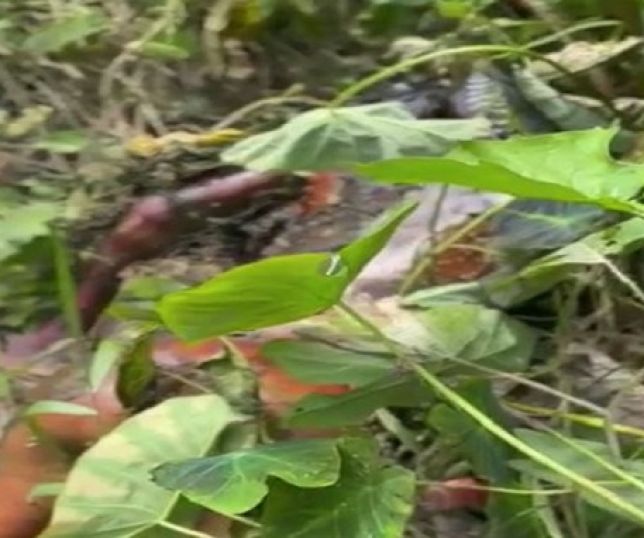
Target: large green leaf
<point x="273" y="291"/>
<point x="236" y="482"/>
<point x="584" y="458"/>
<point x="335" y="138"/>
<point x="58" y="34"/>
<point x="474" y="333"/>
<point x="368" y="501"/>
<point x="570" y="167"/>
<point x="395" y="390"/>
<point x="109" y="494"/>
<point x="315" y="362"/>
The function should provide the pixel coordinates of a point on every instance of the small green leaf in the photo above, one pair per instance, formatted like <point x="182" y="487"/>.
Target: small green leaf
<point x="61" y="33"/>
<point x="46" y="407"/>
<point x="396" y="390"/>
<point x="335" y="138"/>
<point x="236" y="482"/>
<point x="487" y="455"/>
<point x="136" y="372"/>
<point x="62" y="142"/>
<point x="20" y="223"/>
<point x="109" y="493"/>
<point x="370" y="500"/>
<point x="107" y="356"/>
<point x="313" y="362"/>
<point x="272" y="291"/>
<point x="570" y="167"/>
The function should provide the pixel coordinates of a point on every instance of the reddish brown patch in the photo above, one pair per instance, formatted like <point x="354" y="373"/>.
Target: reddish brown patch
<point x="322" y="189"/>
<point x="463" y="262"/>
<point x="456" y="494"/>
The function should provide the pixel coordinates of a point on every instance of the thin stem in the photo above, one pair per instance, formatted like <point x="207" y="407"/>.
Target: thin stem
<point x="183" y="530"/>
<point x="240" y="114"/>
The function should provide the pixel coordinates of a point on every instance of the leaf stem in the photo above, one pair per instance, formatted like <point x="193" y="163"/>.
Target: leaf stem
<point x="183" y="530"/>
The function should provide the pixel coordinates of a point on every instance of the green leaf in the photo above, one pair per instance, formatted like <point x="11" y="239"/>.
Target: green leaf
<point x="568" y="453"/>
<point x="62" y="142"/>
<point x="543" y="225"/>
<point x="487" y="455"/>
<point x="272" y="291"/>
<point x="236" y="482"/>
<point x="20" y="223"/>
<point x="46" y="407"/>
<point x="570" y="167"/>
<point x="368" y="501"/>
<point x="59" y="34"/>
<point x="547" y="271"/>
<point x="136" y="373"/>
<point x="396" y="390"/>
<point x="474" y="333"/>
<point x="334" y="138"/>
<point x="109" y="494"/>
<point x="107" y="355"/>
<point x="314" y="362"/>
<point x="509" y="516"/>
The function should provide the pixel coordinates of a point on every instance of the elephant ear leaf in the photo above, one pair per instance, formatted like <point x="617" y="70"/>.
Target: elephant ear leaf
<point x="236" y="482"/>
<point x="109" y="492"/>
<point x="336" y="138"/>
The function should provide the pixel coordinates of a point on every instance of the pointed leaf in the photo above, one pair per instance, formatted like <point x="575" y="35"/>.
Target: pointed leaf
<point x="396" y="390"/>
<point x="109" y="493"/>
<point x="570" y="167"/>
<point x="334" y="138"/>
<point x="272" y="291"/>
<point x="368" y="501"/>
<point x="236" y="482"/>
<point x="314" y="362"/>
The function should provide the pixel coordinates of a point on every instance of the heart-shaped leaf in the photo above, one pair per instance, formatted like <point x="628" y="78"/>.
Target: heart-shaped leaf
<point x="335" y="138"/>
<point x="570" y="167"/>
<point x="369" y="500"/>
<point x="273" y="291"/>
<point x="109" y="493"/>
<point x="236" y="482"/>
